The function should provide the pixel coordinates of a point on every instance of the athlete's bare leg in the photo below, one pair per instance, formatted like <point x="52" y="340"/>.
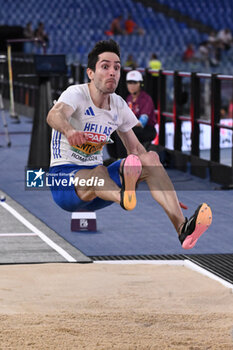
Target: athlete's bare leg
<point x="130" y="169"/>
<point x="109" y="191"/>
<point x="161" y="187"/>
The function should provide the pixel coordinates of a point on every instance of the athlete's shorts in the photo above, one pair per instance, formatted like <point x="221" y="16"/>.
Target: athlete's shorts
<point x="63" y="190"/>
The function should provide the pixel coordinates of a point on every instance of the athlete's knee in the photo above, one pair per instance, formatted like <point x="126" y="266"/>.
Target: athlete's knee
<point x="95" y="181"/>
<point x="150" y="158"/>
<point x="100" y="171"/>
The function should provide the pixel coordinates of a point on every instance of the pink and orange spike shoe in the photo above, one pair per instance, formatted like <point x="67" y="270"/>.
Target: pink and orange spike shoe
<point x="131" y="171"/>
<point x="194" y="227"/>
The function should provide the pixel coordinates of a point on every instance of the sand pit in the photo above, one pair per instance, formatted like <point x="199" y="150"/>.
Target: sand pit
<point x="103" y="306"/>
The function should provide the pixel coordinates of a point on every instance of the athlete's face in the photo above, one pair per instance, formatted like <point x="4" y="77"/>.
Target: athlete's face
<point x="107" y="72"/>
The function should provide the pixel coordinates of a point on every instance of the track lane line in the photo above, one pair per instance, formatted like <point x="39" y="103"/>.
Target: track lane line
<point x="14" y="234"/>
<point x="34" y="229"/>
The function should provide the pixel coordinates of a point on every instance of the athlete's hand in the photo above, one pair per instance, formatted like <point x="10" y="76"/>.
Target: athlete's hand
<point x="76" y="138"/>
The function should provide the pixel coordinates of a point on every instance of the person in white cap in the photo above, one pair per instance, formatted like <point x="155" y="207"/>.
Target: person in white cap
<point x="143" y="108"/>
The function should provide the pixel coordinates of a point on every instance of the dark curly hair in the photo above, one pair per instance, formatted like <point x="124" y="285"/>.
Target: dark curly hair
<point x="100" y="47"/>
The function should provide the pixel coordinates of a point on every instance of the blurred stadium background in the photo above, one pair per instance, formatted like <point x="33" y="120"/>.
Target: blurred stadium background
<point x="73" y="28"/>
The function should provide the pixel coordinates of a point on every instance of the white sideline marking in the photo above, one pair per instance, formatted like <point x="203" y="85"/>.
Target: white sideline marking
<point x="17" y="234"/>
<point x="32" y="228"/>
<point x="192" y="266"/>
<point x="147" y="262"/>
<point x="186" y="263"/>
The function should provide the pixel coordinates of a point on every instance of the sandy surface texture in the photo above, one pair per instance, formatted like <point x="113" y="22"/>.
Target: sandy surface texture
<point x="103" y="306"/>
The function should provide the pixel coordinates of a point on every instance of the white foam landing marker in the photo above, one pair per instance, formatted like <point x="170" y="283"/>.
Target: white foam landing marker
<point x="82" y="221"/>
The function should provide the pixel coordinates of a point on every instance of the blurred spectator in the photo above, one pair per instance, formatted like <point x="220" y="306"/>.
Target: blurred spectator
<point x="189" y="54"/>
<point x="215" y="47"/>
<point x="203" y="53"/>
<point x="155" y="63"/>
<point x="143" y="107"/>
<point x="223" y="113"/>
<point x="116" y="27"/>
<point x="212" y="38"/>
<point x="130" y="62"/>
<point x="131" y="27"/>
<point x="41" y="34"/>
<point x="225" y="38"/>
<point x="28" y="33"/>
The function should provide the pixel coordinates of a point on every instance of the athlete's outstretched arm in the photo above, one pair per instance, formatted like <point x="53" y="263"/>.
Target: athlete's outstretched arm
<point x="58" y="119"/>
